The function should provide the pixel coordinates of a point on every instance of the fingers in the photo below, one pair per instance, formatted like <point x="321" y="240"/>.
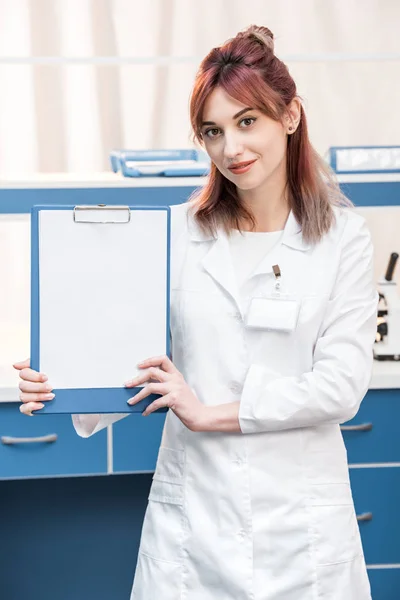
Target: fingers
<point x="22" y="364"/>
<point x="150" y="388"/>
<point x="152" y="373"/>
<point x="31" y="375"/>
<point x="159" y="403"/>
<point x="31" y="387"/>
<point x="26" y="409"/>
<point x="29" y="397"/>
<point x="163" y="362"/>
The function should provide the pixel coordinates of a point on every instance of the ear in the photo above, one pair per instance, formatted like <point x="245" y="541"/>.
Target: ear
<point x="292" y="117"/>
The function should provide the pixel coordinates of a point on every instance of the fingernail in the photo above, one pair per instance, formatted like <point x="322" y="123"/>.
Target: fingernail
<point x="129" y="401"/>
<point x="49" y="387"/>
<point x="41" y="405"/>
<point x="44" y="377"/>
<point x="49" y="396"/>
<point x="128" y="382"/>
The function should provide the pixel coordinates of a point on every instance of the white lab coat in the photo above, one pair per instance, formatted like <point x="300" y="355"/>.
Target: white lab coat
<point x="266" y="514"/>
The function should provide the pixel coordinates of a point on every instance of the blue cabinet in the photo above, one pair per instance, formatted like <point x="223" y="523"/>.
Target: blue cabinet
<point x="46" y="446"/>
<point x="136" y="440"/>
<point x="377" y="440"/>
<point x="373" y="450"/>
<point x="377" y="491"/>
<point x="385" y="583"/>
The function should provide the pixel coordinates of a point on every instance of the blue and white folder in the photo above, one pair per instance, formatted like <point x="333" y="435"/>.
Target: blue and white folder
<point x="160" y="163"/>
<point x="100" y="302"/>
<point x="364" y="159"/>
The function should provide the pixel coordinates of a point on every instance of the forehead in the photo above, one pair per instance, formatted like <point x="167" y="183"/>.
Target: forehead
<point x="219" y="105"/>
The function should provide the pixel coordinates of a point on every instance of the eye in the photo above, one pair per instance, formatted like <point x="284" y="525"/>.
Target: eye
<point x="211" y="133"/>
<point x="248" y="121"/>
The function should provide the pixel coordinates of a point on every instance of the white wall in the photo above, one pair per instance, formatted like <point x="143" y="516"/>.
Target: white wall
<point x="66" y="117"/>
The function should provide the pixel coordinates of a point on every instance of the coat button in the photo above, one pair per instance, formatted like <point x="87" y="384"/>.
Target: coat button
<point x="239" y="461"/>
<point x="238" y="317"/>
<point x="236" y="387"/>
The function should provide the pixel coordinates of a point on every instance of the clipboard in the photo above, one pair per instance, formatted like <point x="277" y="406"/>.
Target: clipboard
<point x="100" y="289"/>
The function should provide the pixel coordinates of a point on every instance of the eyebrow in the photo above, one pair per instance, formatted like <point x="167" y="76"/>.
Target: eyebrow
<point x="241" y="112"/>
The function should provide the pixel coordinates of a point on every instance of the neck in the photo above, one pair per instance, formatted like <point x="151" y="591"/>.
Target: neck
<point x="268" y="203"/>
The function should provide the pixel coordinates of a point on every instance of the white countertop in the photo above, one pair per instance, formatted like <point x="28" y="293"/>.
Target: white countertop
<point x="385" y="375"/>
<point x="109" y="179"/>
<point x="106" y="179"/>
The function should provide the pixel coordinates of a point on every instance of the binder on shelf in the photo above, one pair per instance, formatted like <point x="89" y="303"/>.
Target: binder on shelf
<point x="160" y="163"/>
<point x="364" y="159"/>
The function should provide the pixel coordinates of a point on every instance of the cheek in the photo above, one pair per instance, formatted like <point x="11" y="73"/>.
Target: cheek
<point x="215" y="153"/>
<point x="274" y="150"/>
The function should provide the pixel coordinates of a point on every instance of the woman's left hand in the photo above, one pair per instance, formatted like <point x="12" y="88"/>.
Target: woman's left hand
<point x="176" y="394"/>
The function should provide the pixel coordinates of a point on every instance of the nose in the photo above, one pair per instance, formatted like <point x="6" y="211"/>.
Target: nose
<point x="233" y="147"/>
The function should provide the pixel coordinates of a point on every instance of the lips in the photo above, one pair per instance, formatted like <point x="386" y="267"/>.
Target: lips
<point x="241" y="165"/>
<point x="241" y="168"/>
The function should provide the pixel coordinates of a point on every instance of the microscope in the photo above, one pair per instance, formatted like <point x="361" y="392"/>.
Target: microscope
<point x="387" y="344"/>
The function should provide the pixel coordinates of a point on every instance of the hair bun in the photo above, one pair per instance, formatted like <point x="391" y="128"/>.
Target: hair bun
<point x="262" y="35"/>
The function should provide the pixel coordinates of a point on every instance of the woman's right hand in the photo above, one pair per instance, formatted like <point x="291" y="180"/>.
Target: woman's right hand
<point x="34" y="387"/>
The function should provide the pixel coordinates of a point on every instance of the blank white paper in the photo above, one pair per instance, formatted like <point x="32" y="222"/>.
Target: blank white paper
<point x="103" y="297"/>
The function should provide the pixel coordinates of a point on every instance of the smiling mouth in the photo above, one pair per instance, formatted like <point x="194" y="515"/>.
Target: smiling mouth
<point x="241" y="166"/>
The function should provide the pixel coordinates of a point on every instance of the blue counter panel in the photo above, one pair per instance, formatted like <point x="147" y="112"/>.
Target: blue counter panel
<point x="21" y="200"/>
<point x="371" y="193"/>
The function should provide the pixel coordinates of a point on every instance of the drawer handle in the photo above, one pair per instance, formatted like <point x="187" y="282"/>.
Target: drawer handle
<point x="44" y="439"/>
<point x="362" y="427"/>
<point x="367" y="516"/>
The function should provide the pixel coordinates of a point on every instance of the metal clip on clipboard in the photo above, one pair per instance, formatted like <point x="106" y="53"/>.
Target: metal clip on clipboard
<point x="160" y="163"/>
<point x="81" y="214"/>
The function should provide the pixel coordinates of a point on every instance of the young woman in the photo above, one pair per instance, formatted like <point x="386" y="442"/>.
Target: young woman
<point x="273" y="319"/>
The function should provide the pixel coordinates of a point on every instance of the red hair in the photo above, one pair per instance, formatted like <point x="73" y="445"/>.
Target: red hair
<point x="246" y="68"/>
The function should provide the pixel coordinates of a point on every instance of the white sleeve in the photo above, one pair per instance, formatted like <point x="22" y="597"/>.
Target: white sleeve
<point x="87" y="425"/>
<point x="343" y="355"/>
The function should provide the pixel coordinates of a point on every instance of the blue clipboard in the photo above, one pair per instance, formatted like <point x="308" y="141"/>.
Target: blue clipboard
<point x="50" y="246"/>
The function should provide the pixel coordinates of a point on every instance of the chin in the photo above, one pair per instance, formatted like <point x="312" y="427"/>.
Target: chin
<point x="243" y="182"/>
<point x="251" y="183"/>
<point x="247" y="186"/>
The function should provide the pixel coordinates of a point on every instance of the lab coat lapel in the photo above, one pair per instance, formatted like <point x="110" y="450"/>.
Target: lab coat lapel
<point x="218" y="263"/>
<point x="218" y="260"/>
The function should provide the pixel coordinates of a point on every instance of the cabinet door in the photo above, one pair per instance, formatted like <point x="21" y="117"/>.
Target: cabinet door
<point x="374" y="436"/>
<point x="46" y="445"/>
<point x="376" y="493"/>
<point x="136" y="440"/>
<point x="385" y="583"/>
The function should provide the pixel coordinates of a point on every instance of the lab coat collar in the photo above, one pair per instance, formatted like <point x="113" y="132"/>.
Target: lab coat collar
<point x="292" y="235"/>
<point x="218" y="261"/>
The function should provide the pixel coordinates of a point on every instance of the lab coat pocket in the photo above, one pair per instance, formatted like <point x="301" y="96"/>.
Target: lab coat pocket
<point x="156" y="579"/>
<point x="163" y="526"/>
<point x="334" y="524"/>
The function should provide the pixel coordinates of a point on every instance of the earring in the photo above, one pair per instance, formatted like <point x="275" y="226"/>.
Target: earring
<point x="291" y="128"/>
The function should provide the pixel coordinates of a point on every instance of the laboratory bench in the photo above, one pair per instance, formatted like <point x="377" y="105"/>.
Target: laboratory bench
<point x="72" y="508"/>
